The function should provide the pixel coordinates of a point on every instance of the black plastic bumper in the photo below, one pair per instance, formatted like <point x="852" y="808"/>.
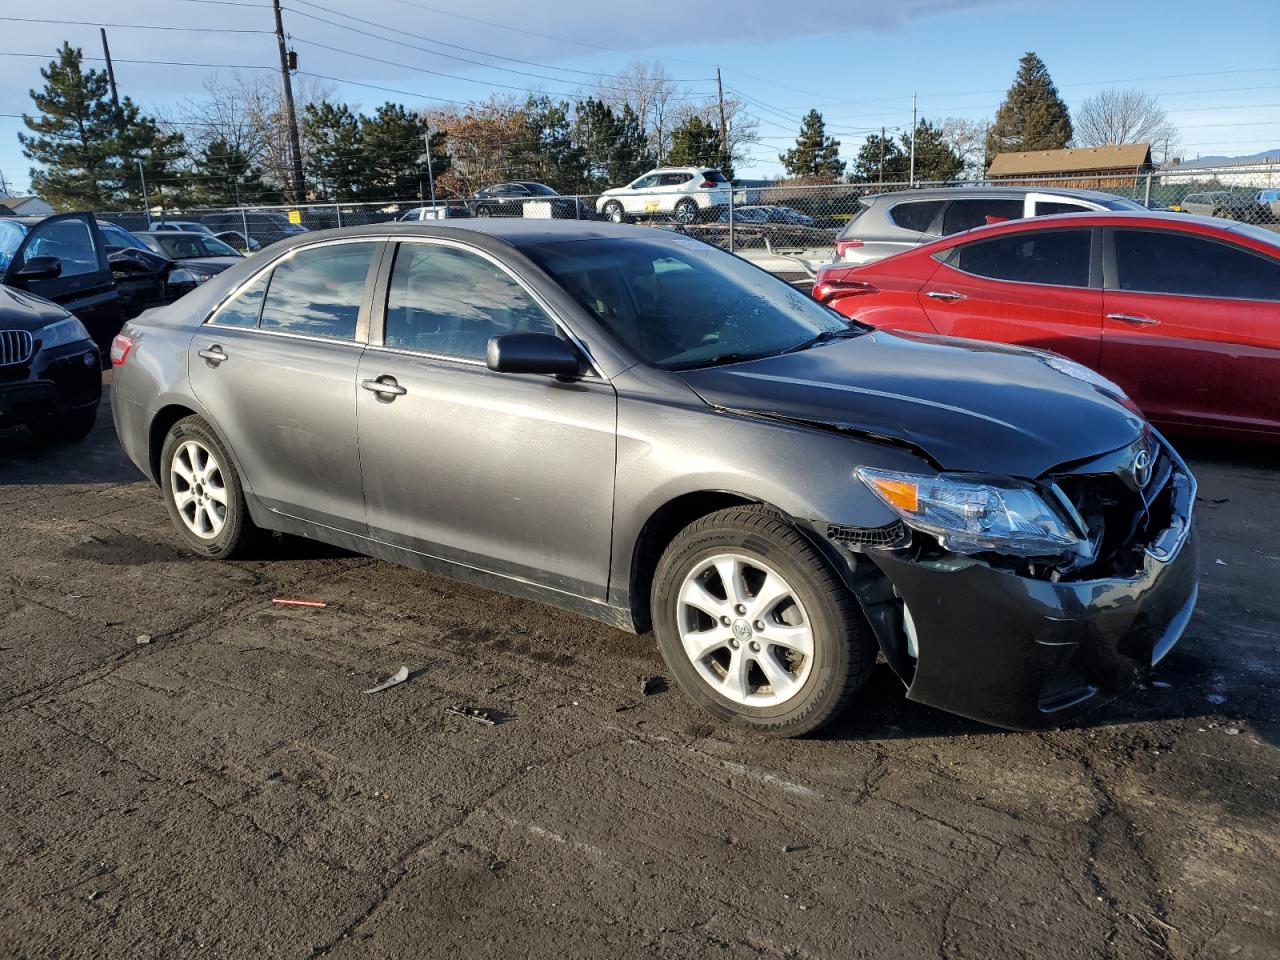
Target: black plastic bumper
<point x="62" y="381"/>
<point x="1026" y="653"/>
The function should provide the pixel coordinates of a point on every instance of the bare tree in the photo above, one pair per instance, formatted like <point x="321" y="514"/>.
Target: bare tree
<point x="652" y="94"/>
<point x="968" y="138"/>
<point x="1125" y="116"/>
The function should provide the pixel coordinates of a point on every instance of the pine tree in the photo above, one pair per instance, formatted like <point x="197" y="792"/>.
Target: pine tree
<point x="548" y="151"/>
<point x="815" y="154"/>
<point x="393" y="144"/>
<point x="337" y="160"/>
<point x="935" y="159"/>
<point x="695" y="143"/>
<point x="222" y="173"/>
<point x="87" y="154"/>
<point x="615" y="147"/>
<point x="880" y="160"/>
<point x="1032" y="116"/>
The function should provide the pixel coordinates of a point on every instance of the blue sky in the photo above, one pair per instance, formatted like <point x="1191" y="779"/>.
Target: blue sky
<point x="1215" y="70"/>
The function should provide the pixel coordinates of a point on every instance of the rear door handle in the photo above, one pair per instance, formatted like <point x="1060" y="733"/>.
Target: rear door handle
<point x="385" y="387"/>
<point x="1130" y="318"/>
<point x="948" y="295"/>
<point x="213" y="355"/>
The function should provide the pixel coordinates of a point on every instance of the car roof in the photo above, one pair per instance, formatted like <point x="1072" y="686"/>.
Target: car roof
<point x="937" y="193"/>
<point x="170" y="233"/>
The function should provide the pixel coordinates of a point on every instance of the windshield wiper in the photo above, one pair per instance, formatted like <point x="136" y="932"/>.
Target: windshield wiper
<point x="826" y="336"/>
<point x="719" y="359"/>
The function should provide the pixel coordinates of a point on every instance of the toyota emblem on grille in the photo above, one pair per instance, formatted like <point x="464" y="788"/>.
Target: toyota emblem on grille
<point x="1142" y="468"/>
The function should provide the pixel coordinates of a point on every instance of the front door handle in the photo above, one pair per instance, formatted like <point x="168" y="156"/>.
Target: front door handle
<point x="213" y="355"/>
<point x="948" y="295"/>
<point x="1130" y="318"/>
<point x="385" y="387"/>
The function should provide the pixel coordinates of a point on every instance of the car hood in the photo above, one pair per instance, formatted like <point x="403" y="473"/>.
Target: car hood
<point x="22" y="311"/>
<point x="209" y="265"/>
<point x="971" y="406"/>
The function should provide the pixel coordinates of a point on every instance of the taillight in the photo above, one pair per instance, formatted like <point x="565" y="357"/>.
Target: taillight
<point x="707" y="184"/>
<point x="824" y="291"/>
<point x="120" y="348"/>
<point x="842" y="246"/>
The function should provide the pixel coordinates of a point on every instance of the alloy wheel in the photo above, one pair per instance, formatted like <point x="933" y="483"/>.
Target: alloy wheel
<point x="745" y="631"/>
<point x="199" y="490"/>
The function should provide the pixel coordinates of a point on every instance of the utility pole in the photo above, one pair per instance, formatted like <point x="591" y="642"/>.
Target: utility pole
<point x="146" y="204"/>
<point x="724" y="127"/>
<point x="882" y="154"/>
<point x="111" y="75"/>
<point x="911" y="176"/>
<point x="431" y="180"/>
<point x="295" y="145"/>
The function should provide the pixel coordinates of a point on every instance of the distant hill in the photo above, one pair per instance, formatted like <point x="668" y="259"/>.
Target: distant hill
<point x="1215" y="161"/>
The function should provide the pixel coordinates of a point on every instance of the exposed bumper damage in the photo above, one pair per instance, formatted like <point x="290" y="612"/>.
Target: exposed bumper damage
<point x="1032" y="648"/>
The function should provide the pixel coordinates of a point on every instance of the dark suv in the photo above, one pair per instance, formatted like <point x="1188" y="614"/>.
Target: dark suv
<point x="888" y="223"/>
<point x="266" y="227"/>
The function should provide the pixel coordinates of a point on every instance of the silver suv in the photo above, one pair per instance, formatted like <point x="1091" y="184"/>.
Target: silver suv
<point x="888" y="223"/>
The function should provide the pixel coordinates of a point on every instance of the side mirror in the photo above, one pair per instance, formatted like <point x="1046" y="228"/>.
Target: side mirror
<point x="532" y="353"/>
<point x="40" y="268"/>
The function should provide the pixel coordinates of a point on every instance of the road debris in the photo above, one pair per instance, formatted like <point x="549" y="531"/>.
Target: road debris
<point x="478" y="714"/>
<point x="1162" y="684"/>
<point x="651" y="685"/>
<point x="287" y="602"/>
<point x="143" y="639"/>
<point x="397" y="678"/>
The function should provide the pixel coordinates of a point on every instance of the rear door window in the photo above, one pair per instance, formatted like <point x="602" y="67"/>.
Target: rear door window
<point x="915" y="215"/>
<point x="1055" y="257"/>
<point x="973" y="212"/>
<point x="317" y="291"/>
<point x="243" y="309"/>
<point x="1155" y="261"/>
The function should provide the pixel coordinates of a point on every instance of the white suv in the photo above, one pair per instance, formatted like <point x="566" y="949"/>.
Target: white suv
<point x="686" y="193"/>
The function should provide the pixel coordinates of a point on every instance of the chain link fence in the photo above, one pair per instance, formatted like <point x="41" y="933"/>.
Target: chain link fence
<point x="787" y="227"/>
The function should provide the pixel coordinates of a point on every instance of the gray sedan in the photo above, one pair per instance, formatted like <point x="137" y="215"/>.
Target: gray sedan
<point x="647" y="430"/>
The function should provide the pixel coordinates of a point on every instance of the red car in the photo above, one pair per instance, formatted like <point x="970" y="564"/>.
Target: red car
<point x="1182" y="312"/>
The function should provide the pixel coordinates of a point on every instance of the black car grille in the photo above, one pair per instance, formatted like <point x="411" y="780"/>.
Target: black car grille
<point x="15" y="347"/>
<point x="1121" y="514"/>
<point x="893" y="535"/>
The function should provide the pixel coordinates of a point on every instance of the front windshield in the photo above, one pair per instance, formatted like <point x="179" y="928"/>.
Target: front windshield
<point x="181" y="246"/>
<point x="679" y="303"/>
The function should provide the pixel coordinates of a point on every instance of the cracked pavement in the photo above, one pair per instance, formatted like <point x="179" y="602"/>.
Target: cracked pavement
<point x="228" y="790"/>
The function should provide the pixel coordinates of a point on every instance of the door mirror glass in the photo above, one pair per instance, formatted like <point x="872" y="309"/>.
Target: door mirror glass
<point x="532" y="353"/>
<point x="40" y="268"/>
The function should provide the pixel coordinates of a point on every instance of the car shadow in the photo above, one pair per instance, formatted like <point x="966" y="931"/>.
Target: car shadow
<point x="26" y="458"/>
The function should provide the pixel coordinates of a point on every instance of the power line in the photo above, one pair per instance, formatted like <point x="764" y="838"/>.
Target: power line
<point x="162" y="63"/>
<point x="132" y="26"/>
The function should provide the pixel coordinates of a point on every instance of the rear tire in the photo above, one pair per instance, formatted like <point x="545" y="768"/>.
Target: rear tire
<point x="687" y="210"/>
<point x="203" y="493"/>
<point x="782" y="651"/>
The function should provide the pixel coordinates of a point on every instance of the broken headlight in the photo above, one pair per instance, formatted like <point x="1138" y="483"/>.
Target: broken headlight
<point x="969" y="514"/>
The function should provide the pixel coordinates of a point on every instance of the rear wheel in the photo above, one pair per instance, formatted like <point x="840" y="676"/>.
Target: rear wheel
<point x="756" y="626"/>
<point x="687" y="210"/>
<point x="202" y="492"/>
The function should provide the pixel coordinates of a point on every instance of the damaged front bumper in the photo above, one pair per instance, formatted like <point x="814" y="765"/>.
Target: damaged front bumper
<point x="1022" y="652"/>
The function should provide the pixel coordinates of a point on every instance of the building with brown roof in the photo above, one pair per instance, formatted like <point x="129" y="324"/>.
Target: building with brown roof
<point x="1112" y="165"/>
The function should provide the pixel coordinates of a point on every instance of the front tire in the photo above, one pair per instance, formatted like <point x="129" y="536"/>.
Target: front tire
<point x="756" y="626"/>
<point x="203" y="493"/>
<point x="613" y="210"/>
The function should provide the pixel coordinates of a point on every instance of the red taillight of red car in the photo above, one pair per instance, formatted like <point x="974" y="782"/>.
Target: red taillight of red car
<point x="120" y="348"/>
<point x="844" y="245"/>
<point x="834" y="283"/>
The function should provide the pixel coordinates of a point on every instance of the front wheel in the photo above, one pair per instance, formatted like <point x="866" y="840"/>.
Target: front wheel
<point x="613" y="210"/>
<point x="756" y="626"/>
<point x="202" y="492"/>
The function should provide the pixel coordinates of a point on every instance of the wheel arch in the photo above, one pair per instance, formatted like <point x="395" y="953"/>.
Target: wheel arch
<point x="162" y="422"/>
